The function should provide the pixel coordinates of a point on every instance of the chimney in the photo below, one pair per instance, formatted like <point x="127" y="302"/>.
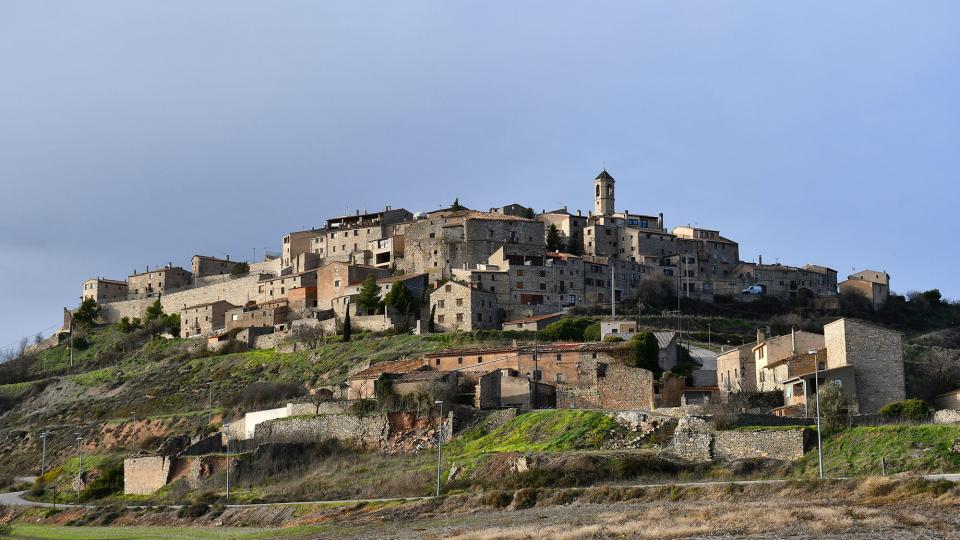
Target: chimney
<point x="793" y="340"/>
<point x="228" y="256"/>
<point x="760" y="258"/>
<point x="579" y="213"/>
<point x="661" y="221"/>
<point x="543" y="210"/>
<point x="760" y="335"/>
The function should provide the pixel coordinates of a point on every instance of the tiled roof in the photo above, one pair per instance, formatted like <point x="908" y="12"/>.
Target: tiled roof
<point x="535" y="318"/>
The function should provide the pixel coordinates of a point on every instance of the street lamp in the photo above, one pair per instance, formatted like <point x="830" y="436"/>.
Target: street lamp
<point x="816" y="390"/>
<point x="228" y="467"/>
<point x="43" y="452"/>
<point x="80" y="467"/>
<point x="439" y="443"/>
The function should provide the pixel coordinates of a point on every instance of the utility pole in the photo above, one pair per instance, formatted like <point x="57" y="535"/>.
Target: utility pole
<point x="709" y="334"/>
<point x="210" y="403"/>
<point x="228" y="468"/>
<point x="439" y="443"/>
<point x="613" y="291"/>
<point x="43" y="453"/>
<point x="80" y="467"/>
<point x="816" y="386"/>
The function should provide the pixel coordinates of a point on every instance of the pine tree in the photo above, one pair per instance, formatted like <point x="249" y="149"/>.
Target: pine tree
<point x="456" y="205"/>
<point x="87" y="313"/>
<point x="155" y="311"/>
<point x="574" y="245"/>
<point x="369" y="297"/>
<point x="554" y="239"/>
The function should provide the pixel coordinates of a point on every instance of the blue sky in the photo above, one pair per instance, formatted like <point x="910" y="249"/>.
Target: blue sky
<point x="138" y="133"/>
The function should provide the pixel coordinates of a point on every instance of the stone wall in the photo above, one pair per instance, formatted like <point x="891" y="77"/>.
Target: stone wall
<point x="143" y="475"/>
<point x="695" y="440"/>
<point x="369" y="432"/>
<point x="236" y="291"/>
<point x="626" y="387"/>
<point x="946" y="416"/>
<point x="877" y="358"/>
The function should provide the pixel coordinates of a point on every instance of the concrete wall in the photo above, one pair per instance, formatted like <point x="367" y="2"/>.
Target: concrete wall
<point x="145" y="474"/>
<point x="252" y="419"/>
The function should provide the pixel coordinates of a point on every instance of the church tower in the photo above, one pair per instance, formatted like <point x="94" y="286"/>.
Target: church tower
<point x="603" y="191"/>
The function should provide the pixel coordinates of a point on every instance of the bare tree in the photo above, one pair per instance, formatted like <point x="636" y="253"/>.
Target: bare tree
<point x="22" y="347"/>
<point x="310" y="336"/>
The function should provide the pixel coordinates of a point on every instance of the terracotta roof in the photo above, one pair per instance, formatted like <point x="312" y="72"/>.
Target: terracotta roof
<point x="397" y="366"/>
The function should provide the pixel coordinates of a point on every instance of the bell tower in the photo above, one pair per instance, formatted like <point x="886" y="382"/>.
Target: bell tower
<point x="603" y="194"/>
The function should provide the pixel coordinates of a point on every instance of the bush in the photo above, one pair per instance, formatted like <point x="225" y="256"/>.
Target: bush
<point x="568" y="329"/>
<point x="908" y="409"/>
<point x="258" y="394"/>
<point x="497" y="499"/>
<point x="108" y="483"/>
<point x="612" y="339"/>
<point x="524" y="498"/>
<point x="592" y="332"/>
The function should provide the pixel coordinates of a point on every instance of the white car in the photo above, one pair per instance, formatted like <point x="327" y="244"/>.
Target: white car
<point x="754" y="289"/>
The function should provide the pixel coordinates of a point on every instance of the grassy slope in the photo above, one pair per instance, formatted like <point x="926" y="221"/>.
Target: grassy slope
<point x="857" y="451"/>
<point x="26" y="530"/>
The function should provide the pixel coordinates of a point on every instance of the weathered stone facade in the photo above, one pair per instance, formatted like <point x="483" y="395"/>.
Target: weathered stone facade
<point x="237" y="291"/>
<point x="143" y="475"/>
<point x="876" y="355"/>
<point x="696" y="441"/>
<point x="459" y="306"/>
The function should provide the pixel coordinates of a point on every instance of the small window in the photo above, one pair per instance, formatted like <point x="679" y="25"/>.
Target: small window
<point x="438" y="361"/>
<point x="460" y="360"/>
<point x="479" y="359"/>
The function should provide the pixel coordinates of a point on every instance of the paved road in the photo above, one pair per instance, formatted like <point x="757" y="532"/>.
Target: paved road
<point x="15" y="498"/>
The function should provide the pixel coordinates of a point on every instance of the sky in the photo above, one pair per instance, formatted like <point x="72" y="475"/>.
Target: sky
<point x="142" y="133"/>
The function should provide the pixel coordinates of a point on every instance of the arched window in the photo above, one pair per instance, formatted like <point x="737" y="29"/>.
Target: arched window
<point x="609" y="191"/>
<point x="598" y="190"/>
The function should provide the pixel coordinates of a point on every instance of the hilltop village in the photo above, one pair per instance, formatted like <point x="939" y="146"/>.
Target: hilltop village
<point x="532" y="281"/>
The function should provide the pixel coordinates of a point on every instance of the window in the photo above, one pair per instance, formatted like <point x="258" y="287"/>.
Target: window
<point x="440" y="304"/>
<point x="459" y="301"/>
<point x="460" y="360"/>
<point x="519" y="284"/>
<point x="519" y="272"/>
<point x="561" y="378"/>
<point x="459" y="317"/>
<point x="479" y="359"/>
<point x="558" y="357"/>
<point x="838" y="382"/>
<point x="537" y="374"/>
<point x="439" y="318"/>
<point x="438" y="361"/>
<point x="446" y="288"/>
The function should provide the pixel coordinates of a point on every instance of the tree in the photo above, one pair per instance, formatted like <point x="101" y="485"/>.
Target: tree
<point x="592" y="332"/>
<point x="654" y="292"/>
<point x="568" y="329"/>
<point x="528" y="213"/>
<point x="399" y="297"/>
<point x="646" y="352"/>
<point x="171" y="323"/>
<point x="154" y="312"/>
<point x="456" y="205"/>
<point x="88" y="312"/>
<point x="310" y="336"/>
<point x="240" y="269"/>
<point x="833" y="407"/>
<point x="346" y="326"/>
<point x="915" y="410"/>
<point x="574" y="245"/>
<point x="554" y="238"/>
<point x="369" y="297"/>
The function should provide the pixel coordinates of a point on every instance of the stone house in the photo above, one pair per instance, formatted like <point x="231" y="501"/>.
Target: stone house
<point x="863" y="359"/>
<point x="603" y="385"/>
<point x="104" y="290"/>
<point x="457" y="306"/>
<point x="267" y="314"/>
<point x="625" y="329"/>
<point x="203" y="319"/>
<point x="296" y="243"/>
<point x="204" y="266"/>
<point x="871" y="284"/>
<point x="362" y="385"/>
<point x="276" y="288"/>
<point x="338" y="279"/>
<point x="514" y="209"/>
<point x="736" y="370"/>
<point x="769" y="351"/>
<point x="302" y="299"/>
<point x="370" y="238"/>
<point x="150" y="284"/>
<point x="502" y="388"/>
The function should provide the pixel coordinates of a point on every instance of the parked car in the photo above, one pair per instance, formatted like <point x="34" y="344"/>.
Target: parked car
<point x="754" y="289"/>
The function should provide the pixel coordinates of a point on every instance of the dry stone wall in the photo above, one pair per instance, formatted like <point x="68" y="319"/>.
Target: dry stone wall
<point x="144" y="475"/>
<point x="369" y="432"/>
<point x="236" y="291"/>
<point x="696" y="441"/>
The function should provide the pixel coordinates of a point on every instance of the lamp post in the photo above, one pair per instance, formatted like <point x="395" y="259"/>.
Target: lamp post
<point x="439" y="443"/>
<point x="228" y="468"/>
<point x="816" y="390"/>
<point x="80" y="467"/>
<point x="43" y="452"/>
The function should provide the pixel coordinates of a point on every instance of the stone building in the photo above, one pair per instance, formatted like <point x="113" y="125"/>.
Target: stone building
<point x="871" y="284"/>
<point x="338" y="279"/>
<point x="266" y="314"/>
<point x="876" y="355"/>
<point x="104" y="290"/>
<point x="532" y="324"/>
<point x="204" y="266"/>
<point x="736" y="370"/>
<point x="458" y="306"/>
<point x="373" y="238"/>
<point x="151" y="283"/>
<point x="203" y="319"/>
<point x="276" y="288"/>
<point x="296" y="243"/>
<point x="768" y="351"/>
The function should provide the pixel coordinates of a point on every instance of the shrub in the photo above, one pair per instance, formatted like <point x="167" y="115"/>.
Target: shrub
<point x="497" y="499"/>
<point x="646" y="352"/>
<point x="524" y="498"/>
<point x="592" y="332"/>
<point x="908" y="409"/>
<point x="239" y="270"/>
<point x="612" y="339"/>
<point x="108" y="483"/>
<point x="568" y="329"/>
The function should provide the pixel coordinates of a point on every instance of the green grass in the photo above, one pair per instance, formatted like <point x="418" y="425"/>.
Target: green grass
<point x="538" y="431"/>
<point x="857" y="451"/>
<point x="30" y="531"/>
